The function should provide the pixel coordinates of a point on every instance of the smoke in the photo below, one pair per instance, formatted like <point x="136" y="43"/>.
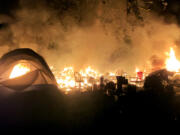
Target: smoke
<point x="157" y="62"/>
<point x="105" y="34"/>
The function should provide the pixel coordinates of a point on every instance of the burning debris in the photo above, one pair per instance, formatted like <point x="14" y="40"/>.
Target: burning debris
<point x="165" y="80"/>
<point x="86" y="79"/>
<point x="172" y="64"/>
<point x="89" y="79"/>
<point x="104" y="40"/>
<point x="69" y="79"/>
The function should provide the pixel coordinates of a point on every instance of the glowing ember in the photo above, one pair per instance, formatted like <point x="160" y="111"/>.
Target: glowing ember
<point x="137" y="70"/>
<point x="68" y="79"/>
<point x="172" y="64"/>
<point x="19" y="70"/>
<point x="112" y="74"/>
<point x="89" y="72"/>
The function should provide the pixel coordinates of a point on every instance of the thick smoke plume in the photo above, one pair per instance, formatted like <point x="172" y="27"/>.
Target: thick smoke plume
<point x="105" y="34"/>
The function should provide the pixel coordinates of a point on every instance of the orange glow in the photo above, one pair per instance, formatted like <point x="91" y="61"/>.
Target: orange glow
<point x="19" y="70"/>
<point x="137" y="70"/>
<point x="66" y="78"/>
<point x="172" y="64"/>
<point x="112" y="74"/>
<point x="89" y="72"/>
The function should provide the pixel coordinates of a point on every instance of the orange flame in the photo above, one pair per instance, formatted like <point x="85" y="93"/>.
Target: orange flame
<point x="66" y="78"/>
<point x="172" y="64"/>
<point x="19" y="70"/>
<point x="137" y="70"/>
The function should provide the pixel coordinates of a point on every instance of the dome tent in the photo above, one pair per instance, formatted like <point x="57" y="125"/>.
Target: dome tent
<point x="39" y="72"/>
<point x="32" y="99"/>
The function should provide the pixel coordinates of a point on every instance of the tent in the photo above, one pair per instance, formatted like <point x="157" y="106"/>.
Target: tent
<point x="33" y="98"/>
<point x="39" y="73"/>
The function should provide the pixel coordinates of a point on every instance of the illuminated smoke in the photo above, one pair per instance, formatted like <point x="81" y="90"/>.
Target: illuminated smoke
<point x="105" y="34"/>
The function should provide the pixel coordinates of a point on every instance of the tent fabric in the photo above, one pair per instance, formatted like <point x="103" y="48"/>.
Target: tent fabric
<point x="32" y="99"/>
<point x="39" y="75"/>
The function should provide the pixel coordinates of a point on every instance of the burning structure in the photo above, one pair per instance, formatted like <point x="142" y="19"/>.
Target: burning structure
<point x="69" y="79"/>
<point x="28" y="90"/>
<point x="81" y="41"/>
<point x="165" y="79"/>
<point x="22" y="69"/>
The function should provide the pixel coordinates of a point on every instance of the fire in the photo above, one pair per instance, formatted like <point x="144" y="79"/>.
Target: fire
<point x="19" y="70"/>
<point x="68" y="79"/>
<point x="137" y="70"/>
<point x="89" y="72"/>
<point x="112" y="74"/>
<point x="172" y="64"/>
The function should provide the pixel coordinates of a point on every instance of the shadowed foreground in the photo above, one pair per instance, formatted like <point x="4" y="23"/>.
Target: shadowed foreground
<point x="48" y="108"/>
<point x="33" y="100"/>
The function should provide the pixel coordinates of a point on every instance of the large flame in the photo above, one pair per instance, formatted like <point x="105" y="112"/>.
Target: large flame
<point x="172" y="64"/>
<point x="89" y="72"/>
<point x="19" y="70"/>
<point x="69" y="79"/>
<point x="66" y="79"/>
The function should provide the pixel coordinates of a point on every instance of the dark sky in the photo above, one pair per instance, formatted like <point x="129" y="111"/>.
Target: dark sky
<point x="161" y="7"/>
<point x="7" y="6"/>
